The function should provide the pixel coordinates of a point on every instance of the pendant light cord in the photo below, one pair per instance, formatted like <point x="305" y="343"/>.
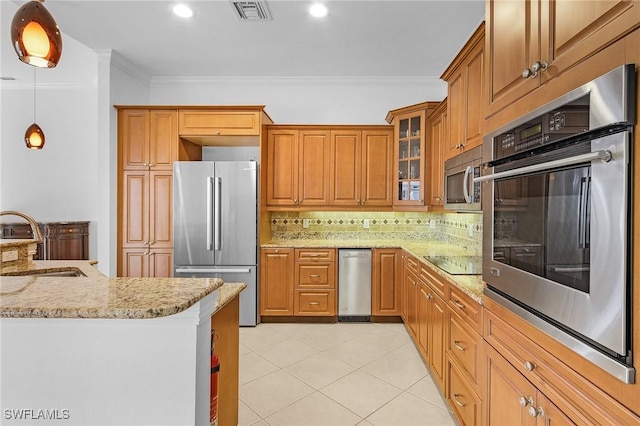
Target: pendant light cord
<point x="34" y="94"/>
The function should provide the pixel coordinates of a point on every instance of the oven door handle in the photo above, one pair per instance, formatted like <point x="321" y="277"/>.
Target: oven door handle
<point x="604" y="155"/>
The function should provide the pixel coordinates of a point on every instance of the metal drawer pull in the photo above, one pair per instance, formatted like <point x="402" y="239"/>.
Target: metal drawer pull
<point x="456" y="343"/>
<point x="314" y="276"/>
<point x="529" y="366"/>
<point x="458" y="304"/>
<point x="455" y="399"/>
<point x="314" y="303"/>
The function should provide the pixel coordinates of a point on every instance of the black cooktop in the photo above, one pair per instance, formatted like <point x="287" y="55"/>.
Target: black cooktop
<point x="458" y="265"/>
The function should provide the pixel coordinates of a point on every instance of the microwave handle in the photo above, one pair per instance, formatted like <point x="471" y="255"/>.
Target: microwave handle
<point x="465" y="184"/>
<point x="604" y="155"/>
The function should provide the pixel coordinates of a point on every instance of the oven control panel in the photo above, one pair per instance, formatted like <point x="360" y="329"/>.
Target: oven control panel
<point x="542" y="130"/>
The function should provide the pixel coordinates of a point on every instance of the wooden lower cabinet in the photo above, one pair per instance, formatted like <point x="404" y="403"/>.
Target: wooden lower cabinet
<point x="513" y="400"/>
<point x="386" y="282"/>
<point x="297" y="282"/>
<point x="462" y="399"/>
<point x="276" y="281"/>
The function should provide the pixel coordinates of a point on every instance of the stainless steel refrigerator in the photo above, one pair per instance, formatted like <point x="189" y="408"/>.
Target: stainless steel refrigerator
<point x="215" y="225"/>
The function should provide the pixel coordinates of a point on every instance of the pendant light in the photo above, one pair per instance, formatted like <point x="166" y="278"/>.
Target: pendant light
<point x="34" y="136"/>
<point x="35" y="35"/>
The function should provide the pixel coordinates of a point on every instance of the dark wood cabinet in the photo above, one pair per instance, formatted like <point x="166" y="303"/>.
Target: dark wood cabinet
<point x="61" y="240"/>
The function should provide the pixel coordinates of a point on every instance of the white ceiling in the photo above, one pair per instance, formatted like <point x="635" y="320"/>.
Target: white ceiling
<point x="372" y="38"/>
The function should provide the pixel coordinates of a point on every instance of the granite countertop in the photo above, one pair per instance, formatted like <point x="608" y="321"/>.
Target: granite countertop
<point x="98" y="296"/>
<point x="471" y="285"/>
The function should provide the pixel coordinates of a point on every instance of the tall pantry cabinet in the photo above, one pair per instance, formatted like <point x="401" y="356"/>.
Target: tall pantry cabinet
<point x="148" y="143"/>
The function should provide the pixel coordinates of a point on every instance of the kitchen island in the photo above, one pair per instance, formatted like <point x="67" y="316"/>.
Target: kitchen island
<point x="97" y="350"/>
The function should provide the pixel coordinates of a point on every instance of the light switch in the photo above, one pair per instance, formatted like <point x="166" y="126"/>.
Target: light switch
<point x="305" y="223"/>
<point x="365" y="223"/>
<point x="471" y="230"/>
<point x="432" y="223"/>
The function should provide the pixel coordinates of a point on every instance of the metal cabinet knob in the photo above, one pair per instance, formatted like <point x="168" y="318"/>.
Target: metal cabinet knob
<point x="535" y="68"/>
<point x="529" y="366"/>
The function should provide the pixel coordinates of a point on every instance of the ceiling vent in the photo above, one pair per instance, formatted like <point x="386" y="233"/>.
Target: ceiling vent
<point x="252" y="10"/>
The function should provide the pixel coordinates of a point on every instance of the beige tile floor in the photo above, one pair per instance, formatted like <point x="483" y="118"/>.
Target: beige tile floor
<point x="335" y="374"/>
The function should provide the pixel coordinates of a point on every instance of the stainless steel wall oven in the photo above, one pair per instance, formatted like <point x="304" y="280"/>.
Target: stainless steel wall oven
<point x="557" y="218"/>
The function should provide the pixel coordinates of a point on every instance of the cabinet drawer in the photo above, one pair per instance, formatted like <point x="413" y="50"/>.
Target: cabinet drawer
<point x="468" y="309"/>
<point x="435" y="282"/>
<point x="412" y="264"/>
<point x="214" y="123"/>
<point x="315" y="255"/>
<point x="464" y="347"/>
<point x="462" y="399"/>
<point x="316" y="275"/>
<point x="315" y="302"/>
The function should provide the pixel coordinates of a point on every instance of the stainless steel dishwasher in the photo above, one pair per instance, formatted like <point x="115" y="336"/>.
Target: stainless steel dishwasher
<point x="354" y="285"/>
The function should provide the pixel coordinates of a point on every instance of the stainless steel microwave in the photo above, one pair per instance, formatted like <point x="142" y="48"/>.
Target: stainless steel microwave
<point x="461" y="193"/>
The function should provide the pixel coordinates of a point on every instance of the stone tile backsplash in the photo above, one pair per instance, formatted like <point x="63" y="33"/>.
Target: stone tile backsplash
<point x="463" y="229"/>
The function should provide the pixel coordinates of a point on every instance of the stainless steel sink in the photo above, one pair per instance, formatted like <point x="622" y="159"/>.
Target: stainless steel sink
<point x="70" y="272"/>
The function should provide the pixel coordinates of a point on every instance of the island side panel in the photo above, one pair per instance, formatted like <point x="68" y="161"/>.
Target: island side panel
<point x="225" y="324"/>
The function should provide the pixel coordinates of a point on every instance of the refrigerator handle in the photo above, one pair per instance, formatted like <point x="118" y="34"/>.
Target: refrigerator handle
<point x="210" y="197"/>
<point x="217" y="220"/>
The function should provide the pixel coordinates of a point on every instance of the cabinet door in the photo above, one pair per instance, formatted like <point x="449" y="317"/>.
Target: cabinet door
<point x="476" y="98"/>
<point x="282" y="167"/>
<point x="438" y="138"/>
<point x="571" y="31"/>
<point x="160" y="210"/>
<point x="438" y="339"/>
<point x="514" y="45"/>
<point x="276" y="281"/>
<point x="313" y="168"/>
<point x="411" y="287"/>
<point x="509" y="394"/>
<point x="409" y="154"/>
<point x="160" y="263"/>
<point x="135" y="262"/>
<point x="456" y="105"/>
<point x="134" y="141"/>
<point x="219" y="123"/>
<point x="135" y="208"/>
<point x="386" y="282"/>
<point x="377" y="168"/>
<point x="163" y="132"/>
<point x="424" y="296"/>
<point x="346" y="168"/>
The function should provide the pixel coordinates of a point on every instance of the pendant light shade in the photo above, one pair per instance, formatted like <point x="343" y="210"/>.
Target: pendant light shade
<point x="34" y="137"/>
<point x="35" y="36"/>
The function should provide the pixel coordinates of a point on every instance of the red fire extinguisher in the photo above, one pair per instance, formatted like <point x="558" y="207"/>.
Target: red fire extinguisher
<point x="215" y="370"/>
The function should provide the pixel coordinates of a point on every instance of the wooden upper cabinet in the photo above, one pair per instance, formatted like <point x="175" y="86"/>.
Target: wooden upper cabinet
<point x="282" y="167"/>
<point x="466" y="97"/>
<point x="313" y="168"/>
<point x="361" y="167"/>
<point x="377" y="167"/>
<point x="219" y="123"/>
<point x="346" y="167"/>
<point x="148" y="138"/>
<point x="411" y="168"/>
<point x="437" y="125"/>
<point x="555" y="34"/>
<point x="297" y="167"/>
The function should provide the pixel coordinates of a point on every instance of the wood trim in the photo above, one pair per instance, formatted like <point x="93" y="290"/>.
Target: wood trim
<point x="476" y="38"/>
<point x="225" y="324"/>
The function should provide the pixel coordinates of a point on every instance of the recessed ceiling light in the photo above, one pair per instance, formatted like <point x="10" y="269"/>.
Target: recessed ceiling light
<point x="183" y="11"/>
<point x="318" y="10"/>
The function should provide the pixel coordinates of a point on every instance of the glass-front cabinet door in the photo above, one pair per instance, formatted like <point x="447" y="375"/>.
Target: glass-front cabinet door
<point x="410" y="165"/>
